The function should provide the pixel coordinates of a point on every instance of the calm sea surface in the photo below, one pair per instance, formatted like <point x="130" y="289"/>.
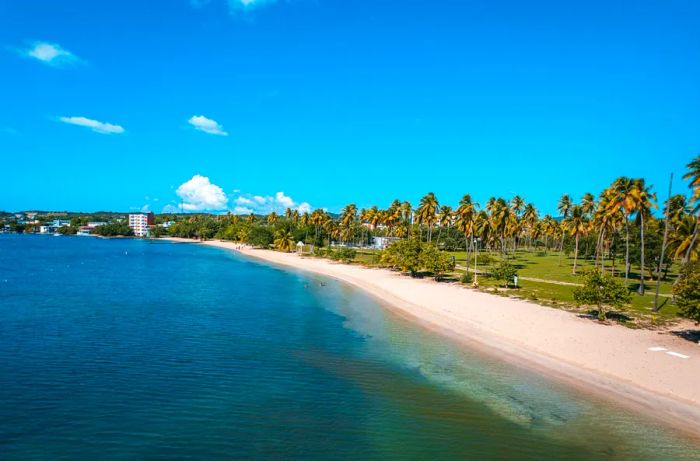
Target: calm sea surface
<point x="125" y="349"/>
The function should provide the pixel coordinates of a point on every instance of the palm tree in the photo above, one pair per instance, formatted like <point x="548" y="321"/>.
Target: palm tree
<point x="444" y="219"/>
<point x="426" y="212"/>
<point x="347" y="218"/>
<point x="693" y="175"/>
<point x="563" y="207"/>
<point x="465" y="215"/>
<point x="588" y="204"/>
<point x="575" y="224"/>
<point x="284" y="240"/>
<point x="643" y="199"/>
<point x="622" y="201"/>
<point x="272" y="218"/>
<point x="529" y="219"/>
<point x="251" y="218"/>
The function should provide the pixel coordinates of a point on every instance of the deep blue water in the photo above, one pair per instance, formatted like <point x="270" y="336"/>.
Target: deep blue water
<point x="127" y="349"/>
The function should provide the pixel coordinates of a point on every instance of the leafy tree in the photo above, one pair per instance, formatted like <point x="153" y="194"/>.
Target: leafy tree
<point x="404" y="255"/>
<point x="114" y="229"/>
<point x="601" y="290"/>
<point x="435" y="261"/>
<point x="259" y="236"/>
<point x="687" y="291"/>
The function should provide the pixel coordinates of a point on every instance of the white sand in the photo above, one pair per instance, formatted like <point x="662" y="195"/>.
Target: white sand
<point x="610" y="360"/>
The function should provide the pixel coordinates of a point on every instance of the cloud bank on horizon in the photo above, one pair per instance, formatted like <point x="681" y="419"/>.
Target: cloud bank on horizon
<point x="200" y="194"/>
<point x="94" y="125"/>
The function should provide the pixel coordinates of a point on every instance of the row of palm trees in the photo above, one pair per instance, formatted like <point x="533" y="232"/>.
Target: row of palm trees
<point x="506" y="225"/>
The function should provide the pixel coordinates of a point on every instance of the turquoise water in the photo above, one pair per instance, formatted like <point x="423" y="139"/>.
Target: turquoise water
<point x="125" y="349"/>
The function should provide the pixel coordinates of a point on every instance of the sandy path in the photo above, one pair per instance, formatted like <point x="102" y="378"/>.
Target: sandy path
<point x="611" y="360"/>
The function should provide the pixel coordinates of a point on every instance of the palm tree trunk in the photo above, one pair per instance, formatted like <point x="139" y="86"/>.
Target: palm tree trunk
<point x="663" y="246"/>
<point x="641" y="272"/>
<point x="627" y="250"/>
<point x="575" y="255"/>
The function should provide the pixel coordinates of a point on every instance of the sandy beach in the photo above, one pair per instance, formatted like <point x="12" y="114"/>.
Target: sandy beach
<point x="650" y="371"/>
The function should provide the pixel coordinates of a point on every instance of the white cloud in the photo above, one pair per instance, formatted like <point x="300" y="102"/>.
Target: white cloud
<point x="265" y="204"/>
<point x="244" y="201"/>
<point x="199" y="194"/>
<point x="94" y="125"/>
<point x="284" y="200"/>
<point x="207" y="125"/>
<point x="304" y="207"/>
<point x="50" y="53"/>
<point x="242" y="210"/>
<point x="247" y="4"/>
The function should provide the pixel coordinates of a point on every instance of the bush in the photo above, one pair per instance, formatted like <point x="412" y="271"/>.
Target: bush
<point x="404" y="255"/>
<point x="601" y="290"/>
<point x="687" y="291"/>
<point x="505" y="272"/>
<point x="435" y="261"/>
<point x="114" y="229"/>
<point x="467" y="278"/>
<point x="343" y="254"/>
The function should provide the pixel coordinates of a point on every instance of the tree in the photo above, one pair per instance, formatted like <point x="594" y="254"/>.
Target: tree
<point x="435" y="261"/>
<point x="284" y="240"/>
<point x="426" y="213"/>
<point x="643" y="200"/>
<point x="259" y="236"/>
<point x="563" y="207"/>
<point x="693" y="175"/>
<point x="404" y="255"/>
<point x="687" y="291"/>
<point x="575" y="224"/>
<point x="601" y="290"/>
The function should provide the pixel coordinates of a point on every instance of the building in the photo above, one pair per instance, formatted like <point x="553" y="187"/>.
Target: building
<point x="140" y="223"/>
<point x="380" y="243"/>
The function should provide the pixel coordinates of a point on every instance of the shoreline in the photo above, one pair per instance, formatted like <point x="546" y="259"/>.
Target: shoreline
<point x="609" y="361"/>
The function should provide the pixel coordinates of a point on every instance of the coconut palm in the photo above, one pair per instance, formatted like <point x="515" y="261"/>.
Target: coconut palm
<point x="465" y="216"/>
<point x="643" y="200"/>
<point x="284" y="241"/>
<point x="621" y="200"/>
<point x="575" y="224"/>
<point x="563" y="207"/>
<point x="426" y="213"/>
<point x="272" y="218"/>
<point x="693" y="175"/>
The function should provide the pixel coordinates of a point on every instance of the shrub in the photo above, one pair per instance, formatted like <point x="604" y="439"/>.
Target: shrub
<point x="601" y="290"/>
<point x="467" y="278"/>
<point x="435" y="261"/>
<point x="505" y="272"/>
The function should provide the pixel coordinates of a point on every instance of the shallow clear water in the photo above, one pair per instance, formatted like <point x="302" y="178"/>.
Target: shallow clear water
<point x="125" y="349"/>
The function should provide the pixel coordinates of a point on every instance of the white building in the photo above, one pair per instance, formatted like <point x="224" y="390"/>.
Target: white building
<point x="140" y="223"/>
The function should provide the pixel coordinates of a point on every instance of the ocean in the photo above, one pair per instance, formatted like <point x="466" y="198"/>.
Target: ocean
<point x="132" y="349"/>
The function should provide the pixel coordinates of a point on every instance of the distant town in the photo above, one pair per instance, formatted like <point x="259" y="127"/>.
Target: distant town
<point x="100" y="224"/>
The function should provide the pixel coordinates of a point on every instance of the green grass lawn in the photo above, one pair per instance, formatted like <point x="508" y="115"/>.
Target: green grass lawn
<point x="550" y="266"/>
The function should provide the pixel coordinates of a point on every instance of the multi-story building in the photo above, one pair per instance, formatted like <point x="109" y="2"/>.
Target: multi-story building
<point x="140" y="222"/>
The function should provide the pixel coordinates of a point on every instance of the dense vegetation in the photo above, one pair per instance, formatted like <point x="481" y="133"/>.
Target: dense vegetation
<point x="623" y="237"/>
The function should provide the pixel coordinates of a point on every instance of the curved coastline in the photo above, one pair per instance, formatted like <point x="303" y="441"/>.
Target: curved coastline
<point x="612" y="362"/>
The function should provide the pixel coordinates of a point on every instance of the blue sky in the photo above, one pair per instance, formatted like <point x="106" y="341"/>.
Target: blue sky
<point x="231" y="104"/>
